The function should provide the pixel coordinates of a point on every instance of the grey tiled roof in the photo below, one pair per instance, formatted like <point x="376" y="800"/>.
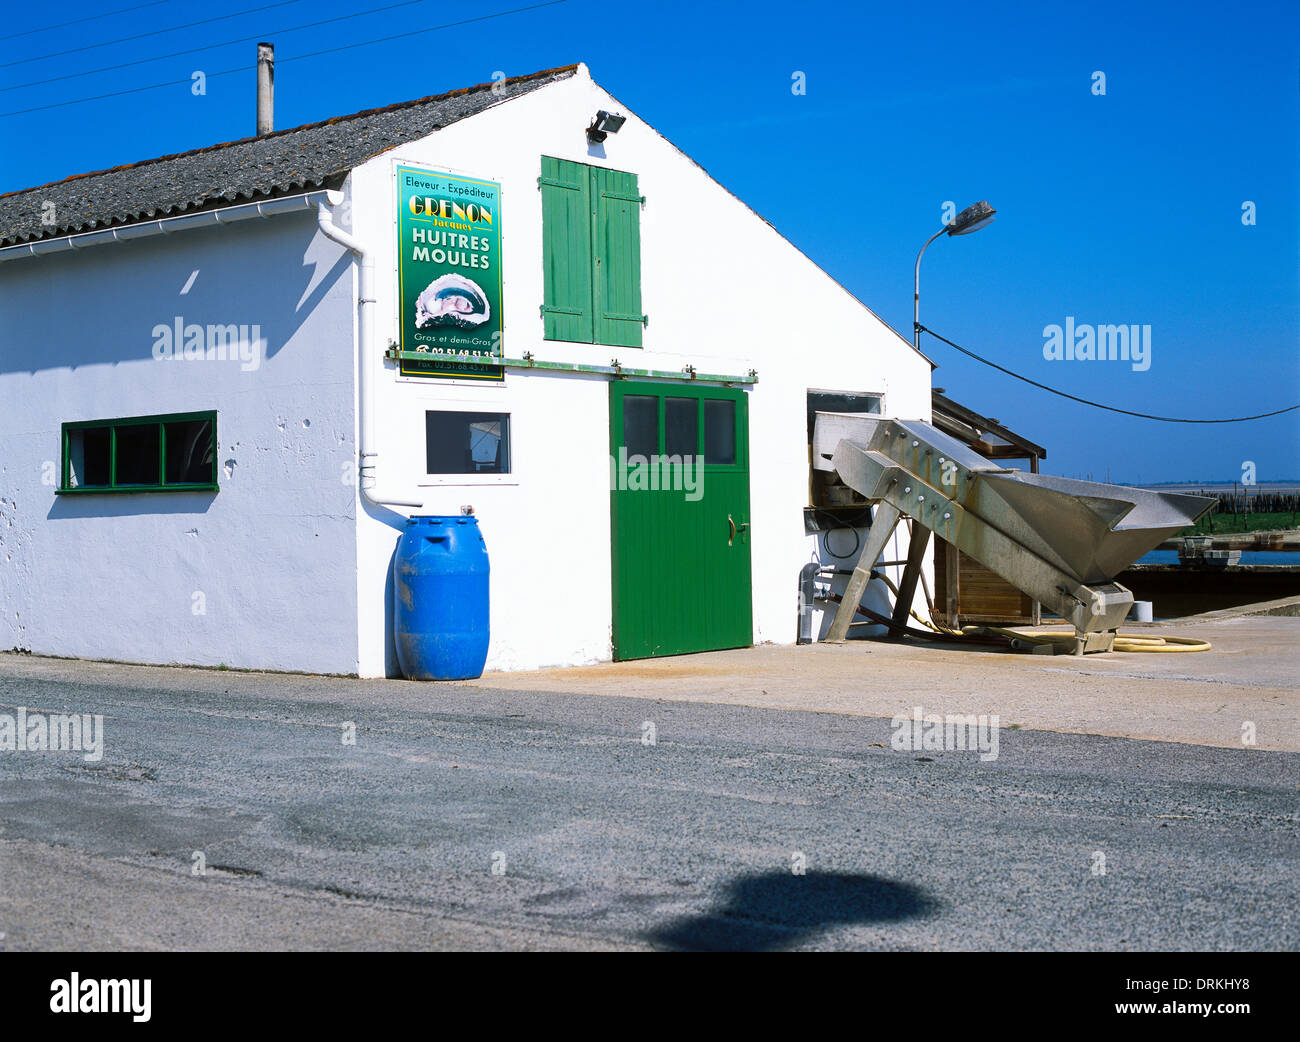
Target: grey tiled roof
<point x="317" y="155"/>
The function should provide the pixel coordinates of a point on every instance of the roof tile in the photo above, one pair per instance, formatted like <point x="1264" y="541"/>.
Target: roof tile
<point x="316" y="155"/>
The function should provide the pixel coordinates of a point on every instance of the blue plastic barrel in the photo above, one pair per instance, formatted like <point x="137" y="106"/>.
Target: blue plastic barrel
<point x="440" y="599"/>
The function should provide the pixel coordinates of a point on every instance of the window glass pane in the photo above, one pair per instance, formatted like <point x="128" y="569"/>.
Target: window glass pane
<point x="467" y="442"/>
<point x="190" y="452"/>
<point x="681" y="427"/>
<point x="719" y="430"/>
<point x="839" y="401"/>
<point x="137" y="454"/>
<point x="88" y="457"/>
<point x="641" y="425"/>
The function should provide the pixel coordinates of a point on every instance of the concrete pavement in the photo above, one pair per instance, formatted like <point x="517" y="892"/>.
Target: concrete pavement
<point x="479" y="816"/>
<point x="1252" y="674"/>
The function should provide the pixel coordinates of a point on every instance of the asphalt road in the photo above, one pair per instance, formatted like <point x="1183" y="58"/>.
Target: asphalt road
<point x="599" y="840"/>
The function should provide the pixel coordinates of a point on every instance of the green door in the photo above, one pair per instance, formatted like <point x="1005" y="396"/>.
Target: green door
<point x="679" y="504"/>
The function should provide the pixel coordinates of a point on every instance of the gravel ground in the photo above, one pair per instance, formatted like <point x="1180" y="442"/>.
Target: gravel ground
<point x="603" y="841"/>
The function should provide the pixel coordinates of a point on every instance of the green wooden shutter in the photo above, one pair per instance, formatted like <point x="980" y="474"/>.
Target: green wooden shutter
<point x="566" y="250"/>
<point x="616" y="235"/>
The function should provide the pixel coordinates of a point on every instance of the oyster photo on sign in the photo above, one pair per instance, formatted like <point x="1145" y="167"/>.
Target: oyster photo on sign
<point x="452" y="300"/>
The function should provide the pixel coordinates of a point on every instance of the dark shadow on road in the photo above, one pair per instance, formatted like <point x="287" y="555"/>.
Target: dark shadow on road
<point x="779" y="910"/>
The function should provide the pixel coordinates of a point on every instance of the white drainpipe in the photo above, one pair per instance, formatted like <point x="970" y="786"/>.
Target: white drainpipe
<point x="365" y="354"/>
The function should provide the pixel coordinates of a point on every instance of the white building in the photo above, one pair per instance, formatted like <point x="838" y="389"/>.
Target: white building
<point x="207" y="304"/>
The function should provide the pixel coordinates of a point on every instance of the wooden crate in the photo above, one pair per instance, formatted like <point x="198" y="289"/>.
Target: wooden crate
<point x="966" y="591"/>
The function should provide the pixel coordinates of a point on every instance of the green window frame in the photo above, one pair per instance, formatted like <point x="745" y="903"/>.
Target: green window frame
<point x="115" y="429"/>
<point x="591" y="254"/>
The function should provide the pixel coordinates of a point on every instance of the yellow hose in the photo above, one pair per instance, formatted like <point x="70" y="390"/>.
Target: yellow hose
<point x="1134" y="642"/>
<point x="1131" y="642"/>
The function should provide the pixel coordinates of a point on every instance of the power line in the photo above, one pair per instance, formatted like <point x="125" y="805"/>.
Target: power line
<point x="155" y="32"/>
<point x="1098" y="405"/>
<point x="79" y="21"/>
<point x="211" y="46"/>
<point x="281" y="61"/>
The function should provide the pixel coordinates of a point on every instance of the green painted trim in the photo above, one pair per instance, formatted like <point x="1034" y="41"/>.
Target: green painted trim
<point x="133" y="490"/>
<point x="566" y="251"/>
<point x="591" y="254"/>
<point x="578" y="367"/>
<point x="162" y="453"/>
<point x="161" y="419"/>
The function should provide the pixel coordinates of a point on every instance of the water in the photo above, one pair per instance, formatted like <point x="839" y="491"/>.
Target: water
<point x="1287" y="557"/>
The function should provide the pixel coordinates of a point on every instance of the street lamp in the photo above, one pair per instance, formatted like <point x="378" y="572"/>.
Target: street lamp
<point x="971" y="219"/>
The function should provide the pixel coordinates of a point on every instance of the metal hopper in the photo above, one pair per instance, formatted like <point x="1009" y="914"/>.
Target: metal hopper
<point x="1060" y="541"/>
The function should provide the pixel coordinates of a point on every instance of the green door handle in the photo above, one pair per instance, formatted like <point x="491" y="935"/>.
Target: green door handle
<point x="735" y="528"/>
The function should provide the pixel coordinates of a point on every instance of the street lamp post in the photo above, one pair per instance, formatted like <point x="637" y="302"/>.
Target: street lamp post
<point x="971" y="219"/>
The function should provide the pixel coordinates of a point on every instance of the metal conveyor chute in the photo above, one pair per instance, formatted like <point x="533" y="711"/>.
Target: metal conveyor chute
<point x="1059" y="540"/>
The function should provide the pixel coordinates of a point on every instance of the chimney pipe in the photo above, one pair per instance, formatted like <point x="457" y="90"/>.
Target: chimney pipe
<point x="265" y="88"/>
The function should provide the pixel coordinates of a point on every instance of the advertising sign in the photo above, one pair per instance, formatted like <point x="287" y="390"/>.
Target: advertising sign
<point x="449" y="274"/>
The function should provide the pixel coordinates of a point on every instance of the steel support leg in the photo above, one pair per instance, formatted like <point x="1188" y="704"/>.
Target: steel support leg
<point x="882" y="527"/>
<point x="907" y="585"/>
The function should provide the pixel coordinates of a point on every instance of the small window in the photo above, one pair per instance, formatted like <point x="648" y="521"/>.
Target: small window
<point x="173" y="453"/>
<point x="719" y="430"/>
<point x="190" y="451"/>
<point x="641" y="425"/>
<point x="135" y="460"/>
<point x="89" y="457"/>
<point x="833" y="502"/>
<point x="467" y="442"/>
<point x="840" y="401"/>
<point x="682" y="427"/>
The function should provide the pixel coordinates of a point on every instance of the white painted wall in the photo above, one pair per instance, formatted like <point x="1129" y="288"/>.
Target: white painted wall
<point x="547" y="527"/>
<point x="273" y="553"/>
<point x="295" y="574"/>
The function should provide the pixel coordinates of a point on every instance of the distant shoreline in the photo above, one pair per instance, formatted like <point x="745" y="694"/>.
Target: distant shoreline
<point x="1216" y="486"/>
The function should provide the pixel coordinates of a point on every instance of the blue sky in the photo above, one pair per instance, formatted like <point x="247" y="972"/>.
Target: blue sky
<point x="1117" y="209"/>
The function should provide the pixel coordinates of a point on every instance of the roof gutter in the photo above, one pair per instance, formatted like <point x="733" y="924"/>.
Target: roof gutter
<point x="366" y="355"/>
<point x="167" y="225"/>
